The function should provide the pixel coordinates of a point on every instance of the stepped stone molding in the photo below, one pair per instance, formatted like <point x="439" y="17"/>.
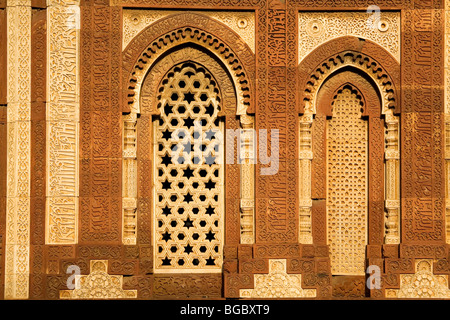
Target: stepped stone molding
<point x="316" y="28"/>
<point x="277" y="284"/>
<point x="63" y="35"/>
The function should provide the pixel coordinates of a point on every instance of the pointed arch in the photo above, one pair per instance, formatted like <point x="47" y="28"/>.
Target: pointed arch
<point x="363" y="55"/>
<point x="189" y="28"/>
<point x="148" y="59"/>
<point x="340" y="62"/>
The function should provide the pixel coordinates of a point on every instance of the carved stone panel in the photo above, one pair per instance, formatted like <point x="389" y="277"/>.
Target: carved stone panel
<point x="188" y="173"/>
<point x="347" y="191"/>
<point x="242" y="23"/>
<point x="315" y="28"/>
<point x="62" y="122"/>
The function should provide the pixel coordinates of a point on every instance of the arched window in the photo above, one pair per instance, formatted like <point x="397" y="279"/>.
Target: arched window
<point x="188" y="172"/>
<point x="184" y="79"/>
<point x="349" y="158"/>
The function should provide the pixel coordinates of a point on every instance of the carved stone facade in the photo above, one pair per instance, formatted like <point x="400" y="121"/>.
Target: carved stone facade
<point x="351" y="100"/>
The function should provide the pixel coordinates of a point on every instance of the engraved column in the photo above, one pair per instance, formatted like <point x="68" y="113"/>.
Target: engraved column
<point x="129" y="191"/>
<point x="18" y="145"/>
<point x="305" y="158"/>
<point x="247" y="149"/>
<point x="63" y="18"/>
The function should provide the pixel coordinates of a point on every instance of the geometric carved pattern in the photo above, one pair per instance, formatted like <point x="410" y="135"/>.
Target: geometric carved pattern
<point x="18" y="147"/>
<point x="62" y="122"/>
<point x="188" y="173"/>
<point x="347" y="184"/>
<point x="98" y="285"/>
<point x="421" y="285"/>
<point x="316" y="28"/>
<point x="392" y="183"/>
<point x="277" y="284"/>
<point x="129" y="185"/>
<point x="243" y="23"/>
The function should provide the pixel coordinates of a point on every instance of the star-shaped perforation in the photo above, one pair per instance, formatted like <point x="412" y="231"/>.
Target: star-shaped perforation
<point x="189" y="185"/>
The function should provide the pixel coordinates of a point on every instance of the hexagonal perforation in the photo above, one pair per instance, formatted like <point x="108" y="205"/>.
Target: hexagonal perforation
<point x="347" y="146"/>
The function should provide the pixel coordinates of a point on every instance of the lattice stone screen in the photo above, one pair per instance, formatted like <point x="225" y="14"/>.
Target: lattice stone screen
<point x="188" y="173"/>
<point x="347" y="148"/>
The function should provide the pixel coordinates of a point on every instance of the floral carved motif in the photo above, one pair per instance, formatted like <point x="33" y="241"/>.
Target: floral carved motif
<point x="316" y="28"/>
<point x="278" y="284"/>
<point x="98" y="285"/>
<point x="423" y="284"/>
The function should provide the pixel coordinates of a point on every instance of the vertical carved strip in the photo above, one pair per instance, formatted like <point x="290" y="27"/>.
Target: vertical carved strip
<point x="3" y="56"/>
<point x="248" y="155"/>
<point x="447" y="175"/>
<point x="62" y="122"/>
<point x="447" y="120"/>
<point x="38" y="152"/>
<point x="392" y="168"/>
<point x="422" y="160"/>
<point x="319" y="179"/>
<point x="18" y="154"/>
<point x="129" y="192"/>
<point x="3" y="142"/>
<point x="305" y="158"/>
<point x="376" y="171"/>
<point x="347" y="168"/>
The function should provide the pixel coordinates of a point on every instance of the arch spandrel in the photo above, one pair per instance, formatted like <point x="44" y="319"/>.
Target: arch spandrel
<point x="189" y="28"/>
<point x="188" y="185"/>
<point x="181" y="42"/>
<point x="343" y="52"/>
